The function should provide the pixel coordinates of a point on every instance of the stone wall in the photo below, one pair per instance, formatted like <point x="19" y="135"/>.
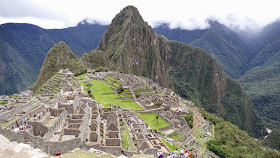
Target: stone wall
<point x="66" y="106"/>
<point x="56" y="124"/>
<point x="113" y="142"/>
<point x="16" y="110"/>
<point x="63" y="147"/>
<point x="26" y="116"/>
<point x="84" y="125"/>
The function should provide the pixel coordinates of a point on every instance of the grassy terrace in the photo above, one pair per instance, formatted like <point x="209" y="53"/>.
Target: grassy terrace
<point x="126" y="139"/>
<point x="171" y="147"/>
<point x="6" y="123"/>
<point x="99" y="87"/>
<point x="151" y="120"/>
<point x="109" y="79"/>
<point x="176" y="137"/>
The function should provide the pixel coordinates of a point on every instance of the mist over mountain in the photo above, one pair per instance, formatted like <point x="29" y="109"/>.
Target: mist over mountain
<point x="218" y="40"/>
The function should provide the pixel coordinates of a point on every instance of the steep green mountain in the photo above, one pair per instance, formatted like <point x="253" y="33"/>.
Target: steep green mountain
<point x="59" y="57"/>
<point x="262" y="82"/>
<point x="272" y="140"/>
<point x="218" y="40"/>
<point x="24" y="47"/>
<point x="13" y="74"/>
<point x="131" y="46"/>
<point x="230" y="141"/>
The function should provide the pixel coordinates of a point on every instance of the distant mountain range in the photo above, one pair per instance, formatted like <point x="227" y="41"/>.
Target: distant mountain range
<point x="23" y="48"/>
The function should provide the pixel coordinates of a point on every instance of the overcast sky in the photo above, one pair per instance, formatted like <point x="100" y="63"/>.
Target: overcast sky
<point x="187" y="14"/>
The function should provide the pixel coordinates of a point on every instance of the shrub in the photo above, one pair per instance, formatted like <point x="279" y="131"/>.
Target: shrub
<point x="120" y="90"/>
<point x="189" y="119"/>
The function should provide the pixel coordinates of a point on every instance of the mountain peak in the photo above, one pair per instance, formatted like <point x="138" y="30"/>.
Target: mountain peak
<point x="129" y="11"/>
<point x="127" y="26"/>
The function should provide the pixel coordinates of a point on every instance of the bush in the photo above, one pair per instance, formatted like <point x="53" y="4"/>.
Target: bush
<point x="120" y="90"/>
<point x="189" y="119"/>
<point x="101" y="69"/>
<point x="214" y="146"/>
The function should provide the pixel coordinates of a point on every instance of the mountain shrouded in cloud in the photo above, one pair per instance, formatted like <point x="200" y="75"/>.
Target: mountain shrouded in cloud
<point x="131" y="46"/>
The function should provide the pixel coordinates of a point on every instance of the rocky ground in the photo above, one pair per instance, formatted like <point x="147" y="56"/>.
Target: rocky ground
<point x="15" y="150"/>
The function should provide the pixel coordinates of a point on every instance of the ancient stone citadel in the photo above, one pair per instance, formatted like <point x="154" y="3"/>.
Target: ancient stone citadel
<point x="63" y="117"/>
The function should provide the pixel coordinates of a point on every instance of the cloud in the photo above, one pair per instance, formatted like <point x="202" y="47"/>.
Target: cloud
<point x="186" y="14"/>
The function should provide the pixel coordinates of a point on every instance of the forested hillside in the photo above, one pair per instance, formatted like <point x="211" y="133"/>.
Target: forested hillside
<point x="23" y="48"/>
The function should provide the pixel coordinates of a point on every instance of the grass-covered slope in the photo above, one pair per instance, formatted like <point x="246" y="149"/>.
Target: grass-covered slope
<point x="54" y="84"/>
<point x="263" y="86"/>
<point x="272" y="140"/>
<point x="103" y="93"/>
<point x="230" y="141"/>
<point x="60" y="56"/>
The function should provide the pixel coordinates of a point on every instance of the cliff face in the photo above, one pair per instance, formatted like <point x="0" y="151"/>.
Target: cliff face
<point x="131" y="46"/>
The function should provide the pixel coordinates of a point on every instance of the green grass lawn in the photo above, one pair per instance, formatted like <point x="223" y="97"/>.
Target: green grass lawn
<point x="4" y="102"/>
<point x="151" y="120"/>
<point x="171" y="147"/>
<point x="113" y="79"/>
<point x="126" y="139"/>
<point x="176" y="137"/>
<point x="99" y="87"/>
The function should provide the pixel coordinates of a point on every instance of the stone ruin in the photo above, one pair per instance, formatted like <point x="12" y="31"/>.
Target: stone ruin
<point x="70" y="119"/>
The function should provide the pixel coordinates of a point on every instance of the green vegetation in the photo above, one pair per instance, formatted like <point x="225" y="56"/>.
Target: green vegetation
<point x="263" y="87"/>
<point x="60" y="56"/>
<point x="120" y="90"/>
<point x="176" y="137"/>
<point x="189" y="118"/>
<point x="171" y="147"/>
<point x="230" y="141"/>
<point x="150" y="119"/>
<point x="23" y="48"/>
<point x="13" y="96"/>
<point x="54" y="84"/>
<point x="100" y="87"/>
<point x="4" y="102"/>
<point x="4" y="124"/>
<point x="127" y="142"/>
<point x="75" y="66"/>
<point x="196" y="82"/>
<point x="272" y="140"/>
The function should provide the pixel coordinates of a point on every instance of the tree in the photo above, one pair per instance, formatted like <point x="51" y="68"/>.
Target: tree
<point x="88" y="85"/>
